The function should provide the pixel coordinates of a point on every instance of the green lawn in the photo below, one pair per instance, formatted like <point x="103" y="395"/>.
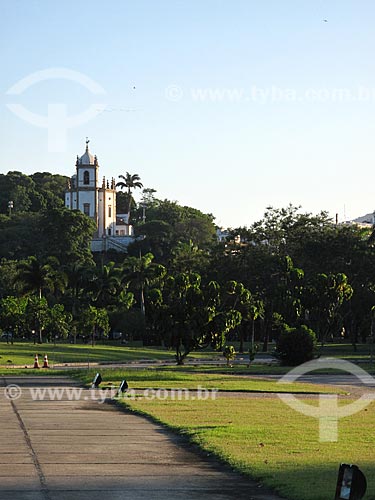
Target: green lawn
<point x="153" y="378"/>
<point x="21" y="353"/>
<point x="271" y="442"/>
<point x="345" y="350"/>
<point x="27" y="372"/>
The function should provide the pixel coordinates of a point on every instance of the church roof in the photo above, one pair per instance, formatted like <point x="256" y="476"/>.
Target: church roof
<point x="87" y="158"/>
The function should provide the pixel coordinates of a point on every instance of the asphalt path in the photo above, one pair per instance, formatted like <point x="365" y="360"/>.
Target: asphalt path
<point x="338" y="380"/>
<point x="82" y="449"/>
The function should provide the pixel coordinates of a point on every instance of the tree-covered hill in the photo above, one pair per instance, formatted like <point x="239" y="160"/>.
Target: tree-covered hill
<point x="31" y="193"/>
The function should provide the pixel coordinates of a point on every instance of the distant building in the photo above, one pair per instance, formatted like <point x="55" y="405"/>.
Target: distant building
<point x="98" y="200"/>
<point x="365" y="221"/>
<point x="123" y="228"/>
<point x="224" y="235"/>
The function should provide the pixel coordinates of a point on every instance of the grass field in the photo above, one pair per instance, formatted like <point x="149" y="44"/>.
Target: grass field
<point x="153" y="378"/>
<point x="22" y="353"/>
<point x="260" y="437"/>
<point x="271" y="442"/>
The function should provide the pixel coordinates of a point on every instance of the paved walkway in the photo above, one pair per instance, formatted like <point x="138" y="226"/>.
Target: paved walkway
<point x="84" y="450"/>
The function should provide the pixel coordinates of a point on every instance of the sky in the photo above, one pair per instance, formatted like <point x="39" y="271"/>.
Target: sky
<point x="228" y="106"/>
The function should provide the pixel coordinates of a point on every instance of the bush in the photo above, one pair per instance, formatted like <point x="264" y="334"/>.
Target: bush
<point x="296" y="345"/>
<point x="229" y="353"/>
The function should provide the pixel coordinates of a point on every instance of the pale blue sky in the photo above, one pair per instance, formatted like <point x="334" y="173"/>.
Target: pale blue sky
<point x="285" y="137"/>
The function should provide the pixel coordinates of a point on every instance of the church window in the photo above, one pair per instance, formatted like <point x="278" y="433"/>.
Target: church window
<point x="86" y="209"/>
<point x="109" y="211"/>
<point x="86" y="177"/>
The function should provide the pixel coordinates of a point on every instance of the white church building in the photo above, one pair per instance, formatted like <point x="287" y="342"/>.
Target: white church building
<point x="98" y="200"/>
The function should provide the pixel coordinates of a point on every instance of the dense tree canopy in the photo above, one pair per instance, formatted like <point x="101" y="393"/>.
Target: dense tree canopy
<point x="31" y="192"/>
<point x="170" y="228"/>
<point x="291" y="272"/>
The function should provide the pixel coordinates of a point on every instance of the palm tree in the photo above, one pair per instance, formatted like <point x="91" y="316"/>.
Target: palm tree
<point x="80" y="275"/>
<point x="130" y="181"/>
<point x="37" y="278"/>
<point x="106" y="284"/>
<point x="142" y="272"/>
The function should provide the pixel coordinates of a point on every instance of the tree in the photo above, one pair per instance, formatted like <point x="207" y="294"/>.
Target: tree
<point x="17" y="187"/>
<point x="21" y="199"/>
<point x="36" y="277"/>
<point x="105" y="285"/>
<point x="282" y="230"/>
<point x="187" y="257"/>
<point x="129" y="182"/>
<point x="296" y="345"/>
<point x="18" y="236"/>
<point x="188" y="224"/>
<point x="325" y="296"/>
<point x="148" y="196"/>
<point x="9" y="284"/>
<point x="37" y="315"/>
<point x="140" y="273"/>
<point x="58" y="322"/>
<point x="12" y="314"/>
<point x="51" y="187"/>
<point x="31" y="192"/>
<point x="77" y="295"/>
<point x="93" y="319"/>
<point x="155" y="308"/>
<point x="155" y="237"/>
<point x="118" y="314"/>
<point x="183" y="297"/>
<point x="256" y="311"/>
<point x="67" y="235"/>
<point x="229" y="353"/>
<point x="198" y="316"/>
<point x="288" y="293"/>
<point x="314" y="245"/>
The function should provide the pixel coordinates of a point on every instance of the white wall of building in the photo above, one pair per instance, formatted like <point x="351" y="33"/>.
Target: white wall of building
<point x="87" y="199"/>
<point x="107" y="212"/>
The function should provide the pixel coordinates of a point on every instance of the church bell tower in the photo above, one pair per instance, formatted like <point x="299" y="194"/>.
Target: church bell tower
<point x="85" y="193"/>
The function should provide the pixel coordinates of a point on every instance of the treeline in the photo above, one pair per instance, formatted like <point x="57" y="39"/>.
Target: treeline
<point x="31" y="193"/>
<point x="177" y="285"/>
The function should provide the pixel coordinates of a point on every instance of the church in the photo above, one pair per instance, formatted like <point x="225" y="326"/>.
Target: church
<point x="98" y="200"/>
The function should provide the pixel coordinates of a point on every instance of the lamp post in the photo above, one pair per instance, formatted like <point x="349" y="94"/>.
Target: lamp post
<point x="10" y="207"/>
